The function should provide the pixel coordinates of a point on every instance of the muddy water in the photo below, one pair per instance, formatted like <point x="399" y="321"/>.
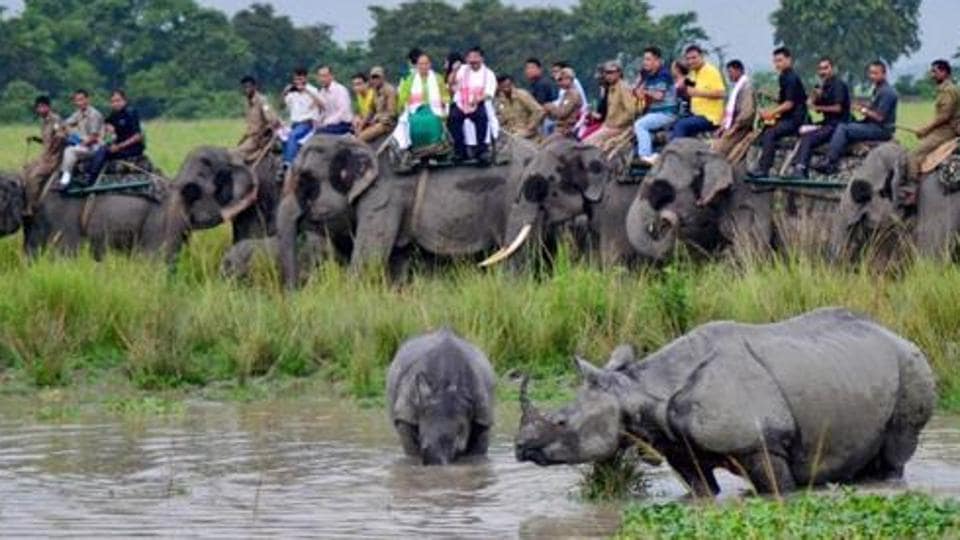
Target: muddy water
<point x="302" y="468"/>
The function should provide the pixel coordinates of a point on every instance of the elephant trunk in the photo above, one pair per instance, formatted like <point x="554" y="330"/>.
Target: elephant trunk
<point x="652" y="234"/>
<point x="288" y="219"/>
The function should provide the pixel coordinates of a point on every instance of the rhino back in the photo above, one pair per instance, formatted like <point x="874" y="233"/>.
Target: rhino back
<point x="444" y="359"/>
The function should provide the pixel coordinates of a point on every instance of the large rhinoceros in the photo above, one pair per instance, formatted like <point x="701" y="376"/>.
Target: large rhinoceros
<point x="825" y="397"/>
<point x="440" y="392"/>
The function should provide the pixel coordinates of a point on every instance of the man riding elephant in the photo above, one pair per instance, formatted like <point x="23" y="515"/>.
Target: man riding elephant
<point x="945" y="125"/>
<point x="52" y="138"/>
<point x="261" y="123"/>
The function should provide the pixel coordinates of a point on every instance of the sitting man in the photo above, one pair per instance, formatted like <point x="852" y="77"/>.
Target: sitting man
<point x="738" y="115"/>
<point x="422" y="99"/>
<point x="945" y="125"/>
<point x="517" y="110"/>
<point x="660" y="95"/>
<point x="785" y="119"/>
<point x="706" y="90"/>
<point x="567" y="111"/>
<point x="476" y="89"/>
<point x="336" y="113"/>
<point x="383" y="117"/>
<point x="128" y="141"/>
<point x="86" y="129"/>
<point x="621" y="106"/>
<point x="878" y="121"/>
<point x="831" y="98"/>
<point x="261" y="121"/>
<point x="364" y="99"/>
<point x="38" y="171"/>
<point x="302" y="101"/>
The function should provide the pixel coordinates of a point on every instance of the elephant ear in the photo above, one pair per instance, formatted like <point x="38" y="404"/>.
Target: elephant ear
<point x="717" y="177"/>
<point x="592" y="164"/>
<point x="353" y="168"/>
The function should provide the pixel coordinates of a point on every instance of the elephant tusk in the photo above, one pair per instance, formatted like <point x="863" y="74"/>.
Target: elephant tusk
<point x="505" y="253"/>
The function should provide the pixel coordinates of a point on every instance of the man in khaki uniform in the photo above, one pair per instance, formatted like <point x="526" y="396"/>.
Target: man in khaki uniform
<point x="738" y="114"/>
<point x="261" y="121"/>
<point x="384" y="107"/>
<point x="517" y="110"/>
<point x="946" y="121"/>
<point x="565" y="112"/>
<point x="52" y="137"/>
<point x="621" y="106"/>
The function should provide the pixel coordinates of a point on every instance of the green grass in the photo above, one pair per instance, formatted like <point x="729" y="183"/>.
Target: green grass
<point x="845" y="515"/>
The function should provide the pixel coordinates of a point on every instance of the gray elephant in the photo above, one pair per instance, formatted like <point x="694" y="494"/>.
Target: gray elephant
<point x="212" y="187"/>
<point x="825" y="397"/>
<point x="693" y="197"/>
<point x="878" y="212"/>
<point x="567" y="181"/>
<point x="12" y="204"/>
<point x="343" y="188"/>
<point x="440" y="391"/>
<point x="238" y="263"/>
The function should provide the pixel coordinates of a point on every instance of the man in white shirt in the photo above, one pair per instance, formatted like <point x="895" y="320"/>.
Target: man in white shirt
<point x="302" y="101"/>
<point x="336" y="111"/>
<point x="476" y="89"/>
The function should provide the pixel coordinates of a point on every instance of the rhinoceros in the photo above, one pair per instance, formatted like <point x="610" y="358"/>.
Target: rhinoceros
<point x="828" y="396"/>
<point x="440" y="392"/>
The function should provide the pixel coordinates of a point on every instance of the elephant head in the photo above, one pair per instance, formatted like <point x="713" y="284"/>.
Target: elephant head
<point x="557" y="185"/>
<point x="327" y="180"/>
<point x="680" y="201"/>
<point x="12" y="205"/>
<point x="872" y="204"/>
<point x="213" y="186"/>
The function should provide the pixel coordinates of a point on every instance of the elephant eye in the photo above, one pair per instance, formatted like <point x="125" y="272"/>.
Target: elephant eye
<point x="660" y="194"/>
<point x="342" y="171"/>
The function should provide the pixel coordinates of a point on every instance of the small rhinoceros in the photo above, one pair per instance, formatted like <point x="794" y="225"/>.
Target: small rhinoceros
<point x="825" y="397"/>
<point x="441" y="397"/>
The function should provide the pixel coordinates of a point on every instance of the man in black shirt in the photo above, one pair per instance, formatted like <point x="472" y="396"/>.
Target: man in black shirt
<point x="128" y="140"/>
<point x="785" y="119"/>
<point x="831" y="98"/>
<point x="540" y="87"/>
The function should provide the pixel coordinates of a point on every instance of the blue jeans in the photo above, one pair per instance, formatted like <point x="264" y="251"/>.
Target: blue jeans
<point x="854" y="132"/>
<point x="103" y="154"/>
<point x="335" y="129"/>
<point x="691" y="126"/>
<point x="298" y="131"/>
<point x="645" y="125"/>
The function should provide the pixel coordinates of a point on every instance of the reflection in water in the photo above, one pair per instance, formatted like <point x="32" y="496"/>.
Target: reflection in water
<point x="310" y="469"/>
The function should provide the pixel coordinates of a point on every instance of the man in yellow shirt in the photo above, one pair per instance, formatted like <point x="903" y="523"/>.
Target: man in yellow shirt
<point x="707" y="92"/>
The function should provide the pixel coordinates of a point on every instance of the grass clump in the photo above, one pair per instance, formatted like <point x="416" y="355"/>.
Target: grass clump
<point x="845" y="515"/>
<point x="617" y="479"/>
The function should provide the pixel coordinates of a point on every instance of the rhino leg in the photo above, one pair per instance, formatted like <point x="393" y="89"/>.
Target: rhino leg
<point x="409" y="438"/>
<point x="768" y="472"/>
<point x="479" y="440"/>
<point x="695" y="471"/>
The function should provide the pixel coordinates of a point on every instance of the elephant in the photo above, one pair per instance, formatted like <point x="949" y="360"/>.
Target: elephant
<point x="568" y="181"/>
<point x="12" y="203"/>
<point x="877" y="209"/>
<point x="212" y="187"/>
<point x="342" y="187"/>
<point x="238" y="263"/>
<point x="828" y="396"/>
<point x="692" y="197"/>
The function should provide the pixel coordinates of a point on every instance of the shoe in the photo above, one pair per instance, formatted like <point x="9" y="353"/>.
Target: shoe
<point x="65" y="179"/>
<point x="649" y="161"/>
<point x="756" y="173"/>
<point x="798" y="172"/>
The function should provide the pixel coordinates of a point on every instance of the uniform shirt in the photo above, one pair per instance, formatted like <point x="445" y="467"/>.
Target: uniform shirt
<point x="126" y="124"/>
<point x="791" y="89"/>
<point x="947" y="108"/>
<point x="336" y="105"/>
<point x="259" y="117"/>
<point x="567" y="111"/>
<point x="621" y="106"/>
<point x="543" y="91"/>
<point x="519" y="113"/>
<point x="661" y="81"/>
<point x="301" y="105"/>
<point x="834" y="92"/>
<point x="708" y="78"/>
<point x="385" y="105"/>
<point x="85" y="123"/>
<point x="885" y="103"/>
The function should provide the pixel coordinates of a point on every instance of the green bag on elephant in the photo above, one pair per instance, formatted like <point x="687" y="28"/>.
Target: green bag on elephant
<point x="426" y="128"/>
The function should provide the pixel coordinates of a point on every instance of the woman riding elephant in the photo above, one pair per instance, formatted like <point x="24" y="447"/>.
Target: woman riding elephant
<point x="341" y="182"/>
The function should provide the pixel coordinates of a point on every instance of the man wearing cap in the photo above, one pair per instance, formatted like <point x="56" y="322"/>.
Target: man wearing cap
<point x="261" y="120"/>
<point x="566" y="111"/>
<point x="621" y="106"/>
<point x="518" y="111"/>
<point x="52" y="138"/>
<point x="383" y="117"/>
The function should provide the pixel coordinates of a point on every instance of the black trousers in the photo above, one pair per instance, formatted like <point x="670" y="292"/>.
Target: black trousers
<point x="455" y="124"/>
<point x="810" y="142"/>
<point x="785" y="127"/>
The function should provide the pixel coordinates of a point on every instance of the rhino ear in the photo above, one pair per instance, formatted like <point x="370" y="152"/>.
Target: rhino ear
<point x="621" y="356"/>
<point x="591" y="374"/>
